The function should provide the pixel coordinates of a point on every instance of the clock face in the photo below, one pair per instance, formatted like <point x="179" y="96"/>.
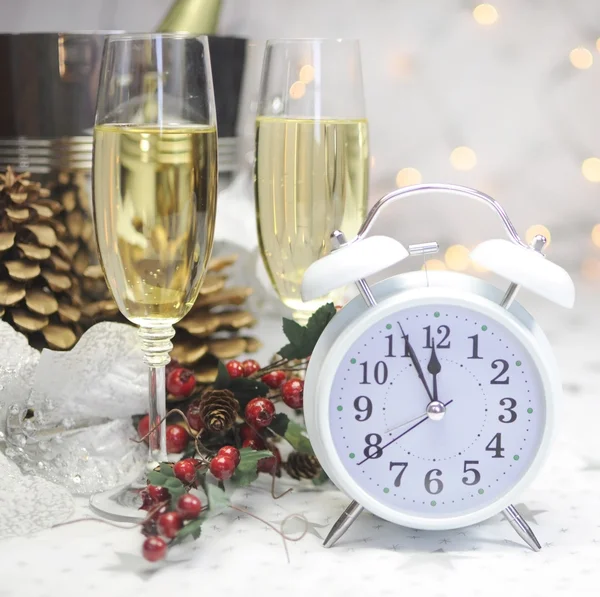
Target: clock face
<point x="437" y="411"/>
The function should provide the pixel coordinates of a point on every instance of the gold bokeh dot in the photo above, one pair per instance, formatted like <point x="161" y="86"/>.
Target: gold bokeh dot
<point x="485" y="14"/>
<point x="538" y="229"/>
<point x="307" y="73"/>
<point x="408" y="176"/>
<point x="591" y="169"/>
<point x="463" y="158"/>
<point x="457" y="257"/>
<point x="435" y="264"/>
<point x="581" y="58"/>
<point x="598" y="44"/>
<point x="297" y="90"/>
<point x="590" y="268"/>
<point x="479" y="268"/>
<point x="596" y="235"/>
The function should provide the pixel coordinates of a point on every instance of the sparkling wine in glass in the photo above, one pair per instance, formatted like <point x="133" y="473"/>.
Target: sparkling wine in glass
<point x="311" y="168"/>
<point x="155" y="192"/>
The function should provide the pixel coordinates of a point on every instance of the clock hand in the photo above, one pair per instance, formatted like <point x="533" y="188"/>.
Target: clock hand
<point x="406" y="423"/>
<point x="425" y="418"/>
<point x="434" y="367"/>
<point x="435" y="411"/>
<point x="415" y="362"/>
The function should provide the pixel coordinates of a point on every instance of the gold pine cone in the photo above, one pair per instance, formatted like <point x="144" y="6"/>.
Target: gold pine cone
<point x="302" y="466"/>
<point x="218" y="410"/>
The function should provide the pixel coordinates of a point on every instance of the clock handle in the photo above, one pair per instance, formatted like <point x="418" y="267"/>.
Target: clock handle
<point x="406" y="192"/>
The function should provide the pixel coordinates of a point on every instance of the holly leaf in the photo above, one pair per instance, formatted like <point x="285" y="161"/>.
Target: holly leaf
<point x="223" y="380"/>
<point x="246" y="472"/>
<point x="191" y="529"/>
<point x="291" y="431"/>
<point x="217" y="499"/>
<point x="293" y="331"/>
<point x="166" y="470"/>
<point x="245" y="389"/>
<point x="302" y="340"/>
<point x="156" y="478"/>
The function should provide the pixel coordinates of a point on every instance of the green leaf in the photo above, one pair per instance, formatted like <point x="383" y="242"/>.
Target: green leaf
<point x="316" y="325"/>
<point x="293" y="432"/>
<point x="293" y="331"/>
<point x="223" y="380"/>
<point x="217" y="499"/>
<point x="245" y="389"/>
<point x="191" y="529"/>
<point x="166" y="470"/>
<point x="290" y="351"/>
<point x="173" y="483"/>
<point x="246" y="472"/>
<point x="156" y="478"/>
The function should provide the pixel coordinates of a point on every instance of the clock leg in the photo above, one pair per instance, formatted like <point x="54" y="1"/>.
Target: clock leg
<point x="523" y="529"/>
<point x="343" y="523"/>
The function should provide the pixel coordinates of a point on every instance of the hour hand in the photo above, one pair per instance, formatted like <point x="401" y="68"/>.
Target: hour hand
<point x="434" y="367"/>
<point x="415" y="362"/>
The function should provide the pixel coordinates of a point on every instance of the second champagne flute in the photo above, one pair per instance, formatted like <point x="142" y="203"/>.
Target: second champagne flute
<point x="155" y="192"/>
<point x="312" y="158"/>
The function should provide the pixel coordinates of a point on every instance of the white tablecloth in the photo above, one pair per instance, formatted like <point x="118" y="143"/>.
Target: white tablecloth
<point x="240" y="555"/>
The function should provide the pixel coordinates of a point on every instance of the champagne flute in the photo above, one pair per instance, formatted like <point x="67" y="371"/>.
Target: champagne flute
<point x="155" y="192"/>
<point x="311" y="168"/>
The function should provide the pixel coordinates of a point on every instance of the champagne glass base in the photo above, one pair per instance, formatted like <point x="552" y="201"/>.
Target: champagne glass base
<point x="121" y="503"/>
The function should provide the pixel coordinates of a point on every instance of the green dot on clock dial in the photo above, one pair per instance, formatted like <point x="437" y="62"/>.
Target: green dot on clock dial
<point x="340" y="408"/>
<point x="353" y="361"/>
<point x="530" y="410"/>
<point x="518" y="363"/>
<point x="480" y="492"/>
<point x="386" y="490"/>
<point x="484" y="328"/>
<point x="516" y="457"/>
<point x="352" y="455"/>
<point x="433" y="503"/>
<point x="436" y="314"/>
<point x="389" y="326"/>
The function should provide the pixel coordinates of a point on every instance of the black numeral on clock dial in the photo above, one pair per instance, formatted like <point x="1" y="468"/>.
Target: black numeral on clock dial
<point x="363" y="406"/>
<point x="373" y="449"/>
<point x="495" y="446"/>
<point x="469" y="469"/>
<point x="511" y="417"/>
<point x="475" y="353"/>
<point x="390" y="351"/>
<point x="433" y="485"/>
<point x="503" y="366"/>
<point x="380" y="373"/>
<point x="398" y="478"/>
<point x="444" y="331"/>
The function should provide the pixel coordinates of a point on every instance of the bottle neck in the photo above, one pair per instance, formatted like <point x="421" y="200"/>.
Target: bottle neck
<point x="192" y="16"/>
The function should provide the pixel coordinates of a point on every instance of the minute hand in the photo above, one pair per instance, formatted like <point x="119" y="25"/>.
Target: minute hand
<point x="434" y="367"/>
<point x="415" y="362"/>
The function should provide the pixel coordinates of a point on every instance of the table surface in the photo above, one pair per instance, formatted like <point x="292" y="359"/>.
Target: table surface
<point x="239" y="553"/>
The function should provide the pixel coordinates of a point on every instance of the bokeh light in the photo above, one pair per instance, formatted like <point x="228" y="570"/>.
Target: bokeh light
<point x="485" y="14"/>
<point x="591" y="169"/>
<point x="408" y="176"/>
<point x="463" y="158"/>
<point x="581" y="58"/>
<point x="596" y="235"/>
<point x="590" y="268"/>
<point x="434" y="264"/>
<point x="297" y="90"/>
<point x="307" y="73"/>
<point x="538" y="229"/>
<point x="457" y="257"/>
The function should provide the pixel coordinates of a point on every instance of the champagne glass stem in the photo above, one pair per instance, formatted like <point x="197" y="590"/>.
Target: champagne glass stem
<point x="156" y="345"/>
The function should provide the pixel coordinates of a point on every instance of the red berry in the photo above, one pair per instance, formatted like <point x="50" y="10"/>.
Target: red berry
<point x="250" y="366"/>
<point x="273" y="379"/>
<point x="177" y="439"/>
<point x="253" y="444"/>
<point x="260" y="412"/>
<point x="222" y="467"/>
<point x="185" y="470"/>
<point x="158" y="494"/>
<point x="189" y="506"/>
<point x="147" y="501"/>
<point x="292" y="392"/>
<point x="235" y="369"/>
<point x="231" y="452"/>
<point x="180" y="382"/>
<point x="270" y="464"/>
<point x="193" y="415"/>
<point x="144" y="427"/>
<point x="169" y="523"/>
<point x="154" y="549"/>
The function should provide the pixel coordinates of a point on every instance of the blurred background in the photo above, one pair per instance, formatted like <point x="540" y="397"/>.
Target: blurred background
<point x="501" y="96"/>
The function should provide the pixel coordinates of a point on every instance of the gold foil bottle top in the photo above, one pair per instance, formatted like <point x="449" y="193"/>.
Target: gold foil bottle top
<point x="192" y="16"/>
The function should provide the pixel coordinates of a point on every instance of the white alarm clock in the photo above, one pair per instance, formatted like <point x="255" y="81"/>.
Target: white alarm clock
<point x="430" y="398"/>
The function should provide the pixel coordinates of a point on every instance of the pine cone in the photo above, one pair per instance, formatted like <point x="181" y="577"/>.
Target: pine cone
<point x="218" y="409"/>
<point x="40" y="292"/>
<point x="302" y="466"/>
